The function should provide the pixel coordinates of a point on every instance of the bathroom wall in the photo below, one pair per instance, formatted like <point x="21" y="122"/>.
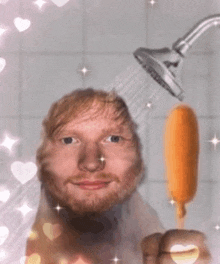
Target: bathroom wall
<point x="45" y="61"/>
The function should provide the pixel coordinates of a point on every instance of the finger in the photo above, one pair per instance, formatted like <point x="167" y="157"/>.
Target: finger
<point x="150" y="247"/>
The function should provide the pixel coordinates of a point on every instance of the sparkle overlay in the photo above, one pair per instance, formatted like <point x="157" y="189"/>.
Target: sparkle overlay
<point x="24" y="209"/>
<point x="172" y="202"/>
<point x="8" y="143"/>
<point x="217" y="227"/>
<point x="152" y="2"/>
<point x="84" y="71"/>
<point x="58" y="208"/>
<point x="115" y="259"/>
<point x="214" y="141"/>
<point x="102" y="159"/>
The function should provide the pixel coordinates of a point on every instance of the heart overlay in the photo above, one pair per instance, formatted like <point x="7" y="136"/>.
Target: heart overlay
<point x="4" y="232"/>
<point x="2" y="64"/>
<point x="52" y="231"/>
<point x="23" y="172"/>
<point x="60" y="3"/>
<point x="4" y="195"/>
<point x="32" y="259"/>
<point x="184" y="254"/>
<point x="21" y="24"/>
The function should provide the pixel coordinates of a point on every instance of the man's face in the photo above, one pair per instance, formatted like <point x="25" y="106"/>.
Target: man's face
<point x="92" y="164"/>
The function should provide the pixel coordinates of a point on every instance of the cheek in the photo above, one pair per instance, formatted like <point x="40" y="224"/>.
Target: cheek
<point x="61" y="162"/>
<point x="124" y="162"/>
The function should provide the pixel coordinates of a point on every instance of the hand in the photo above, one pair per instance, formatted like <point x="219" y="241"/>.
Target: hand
<point x="176" y="246"/>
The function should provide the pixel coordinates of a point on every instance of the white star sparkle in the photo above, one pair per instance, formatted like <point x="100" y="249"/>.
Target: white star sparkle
<point x="84" y="71"/>
<point x="152" y="2"/>
<point x="217" y="227"/>
<point x="40" y="3"/>
<point x="172" y="202"/>
<point x="58" y="208"/>
<point x="149" y="105"/>
<point x="8" y="142"/>
<point x="24" y="209"/>
<point x="115" y="259"/>
<point x="102" y="159"/>
<point x="214" y="141"/>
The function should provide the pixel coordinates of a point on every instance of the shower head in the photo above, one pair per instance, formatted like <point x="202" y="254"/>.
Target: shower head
<point x="164" y="65"/>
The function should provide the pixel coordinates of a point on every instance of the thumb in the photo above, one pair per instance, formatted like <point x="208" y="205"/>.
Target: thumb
<point x="150" y="248"/>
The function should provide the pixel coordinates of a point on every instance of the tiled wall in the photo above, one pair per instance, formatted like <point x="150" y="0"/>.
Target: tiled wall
<point x="44" y="62"/>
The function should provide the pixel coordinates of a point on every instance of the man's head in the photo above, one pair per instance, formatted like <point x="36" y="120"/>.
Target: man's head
<point x="89" y="159"/>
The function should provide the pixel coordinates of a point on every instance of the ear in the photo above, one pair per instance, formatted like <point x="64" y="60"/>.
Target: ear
<point x="150" y="248"/>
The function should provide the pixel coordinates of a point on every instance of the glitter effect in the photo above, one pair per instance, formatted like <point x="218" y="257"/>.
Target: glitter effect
<point x="115" y="259"/>
<point x="8" y="143"/>
<point x="152" y="2"/>
<point x="217" y="227"/>
<point x="58" y="208"/>
<point x="84" y="71"/>
<point x="172" y="202"/>
<point x="40" y="3"/>
<point x="102" y="159"/>
<point x="24" y="209"/>
<point x="214" y="141"/>
<point x="149" y="105"/>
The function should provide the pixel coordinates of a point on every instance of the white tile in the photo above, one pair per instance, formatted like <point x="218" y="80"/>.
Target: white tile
<point x="168" y="21"/>
<point x="209" y="154"/>
<point x="115" y="25"/>
<point x="10" y="40"/>
<point x="31" y="137"/>
<point x="9" y="87"/>
<point x="46" y="79"/>
<point x="213" y="87"/>
<point x="53" y="28"/>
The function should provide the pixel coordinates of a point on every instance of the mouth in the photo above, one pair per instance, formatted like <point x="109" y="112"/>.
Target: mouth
<point x="92" y="185"/>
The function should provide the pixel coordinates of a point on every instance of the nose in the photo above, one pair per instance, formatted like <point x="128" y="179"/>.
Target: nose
<point x="91" y="158"/>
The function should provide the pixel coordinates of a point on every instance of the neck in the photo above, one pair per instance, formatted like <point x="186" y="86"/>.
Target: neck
<point x="67" y="230"/>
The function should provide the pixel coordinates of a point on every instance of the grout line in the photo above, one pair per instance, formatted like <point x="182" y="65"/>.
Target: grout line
<point x="84" y="43"/>
<point x="90" y="53"/>
<point x="20" y="82"/>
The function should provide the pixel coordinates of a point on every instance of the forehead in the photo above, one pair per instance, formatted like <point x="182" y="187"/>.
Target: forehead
<point x="98" y="120"/>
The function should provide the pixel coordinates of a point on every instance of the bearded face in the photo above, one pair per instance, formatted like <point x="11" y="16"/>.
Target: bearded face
<point x="92" y="163"/>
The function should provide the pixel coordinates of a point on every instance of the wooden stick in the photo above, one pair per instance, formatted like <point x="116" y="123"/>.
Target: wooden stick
<point x="180" y="222"/>
<point x="181" y="212"/>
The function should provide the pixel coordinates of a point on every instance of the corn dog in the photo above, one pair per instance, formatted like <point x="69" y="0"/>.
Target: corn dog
<point x="181" y="156"/>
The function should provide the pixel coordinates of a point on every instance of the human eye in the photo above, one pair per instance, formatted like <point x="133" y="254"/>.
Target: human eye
<point x="68" y="140"/>
<point x="114" y="138"/>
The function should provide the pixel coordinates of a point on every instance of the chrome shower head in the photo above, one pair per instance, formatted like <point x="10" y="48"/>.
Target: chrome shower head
<point x="164" y="64"/>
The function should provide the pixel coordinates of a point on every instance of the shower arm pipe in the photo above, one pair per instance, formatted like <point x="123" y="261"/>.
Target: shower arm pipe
<point x="183" y="44"/>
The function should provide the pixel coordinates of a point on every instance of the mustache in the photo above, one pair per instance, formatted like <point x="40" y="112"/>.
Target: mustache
<point x="101" y="176"/>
